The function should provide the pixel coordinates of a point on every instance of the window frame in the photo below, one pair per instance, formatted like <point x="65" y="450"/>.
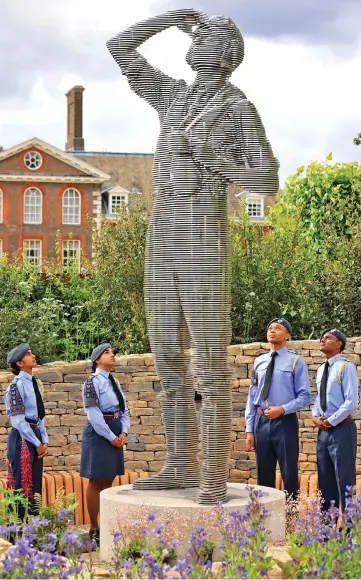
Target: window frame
<point x="40" y="157"/>
<point x="255" y="199"/>
<point x="71" y="223"/>
<point x="41" y="206"/>
<point x="110" y="202"/>
<point x="29" y="242"/>
<point x="63" y="248"/>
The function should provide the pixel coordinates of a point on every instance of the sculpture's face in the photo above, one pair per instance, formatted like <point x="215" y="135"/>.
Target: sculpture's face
<point x="207" y="49"/>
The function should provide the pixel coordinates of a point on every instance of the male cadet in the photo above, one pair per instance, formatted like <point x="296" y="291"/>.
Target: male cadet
<point x="336" y="399"/>
<point x="279" y="387"/>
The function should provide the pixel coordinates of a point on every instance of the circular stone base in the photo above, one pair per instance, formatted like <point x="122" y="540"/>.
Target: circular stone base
<point x="123" y="509"/>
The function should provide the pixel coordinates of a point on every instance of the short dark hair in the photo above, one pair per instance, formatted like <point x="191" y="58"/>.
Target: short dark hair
<point x="15" y="368"/>
<point x="94" y="366"/>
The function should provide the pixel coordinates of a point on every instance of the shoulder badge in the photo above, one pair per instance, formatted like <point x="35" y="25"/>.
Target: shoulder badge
<point x="17" y="406"/>
<point x="89" y="393"/>
<point x="254" y="379"/>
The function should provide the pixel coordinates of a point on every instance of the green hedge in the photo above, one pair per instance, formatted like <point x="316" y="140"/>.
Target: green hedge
<point x="64" y="314"/>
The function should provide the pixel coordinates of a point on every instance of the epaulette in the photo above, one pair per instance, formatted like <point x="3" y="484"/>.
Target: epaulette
<point x="293" y="351"/>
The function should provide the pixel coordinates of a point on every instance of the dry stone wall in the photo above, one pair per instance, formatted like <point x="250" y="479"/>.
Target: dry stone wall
<point x="65" y="417"/>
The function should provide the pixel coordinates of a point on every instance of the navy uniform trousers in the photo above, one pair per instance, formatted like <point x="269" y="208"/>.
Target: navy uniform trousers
<point x="277" y="440"/>
<point x="14" y="457"/>
<point x="336" y="462"/>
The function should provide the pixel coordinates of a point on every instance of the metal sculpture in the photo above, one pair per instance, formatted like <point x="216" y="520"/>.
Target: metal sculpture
<point x="210" y="135"/>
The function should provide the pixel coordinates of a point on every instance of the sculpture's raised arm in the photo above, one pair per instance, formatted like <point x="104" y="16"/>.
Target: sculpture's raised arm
<point x="146" y="81"/>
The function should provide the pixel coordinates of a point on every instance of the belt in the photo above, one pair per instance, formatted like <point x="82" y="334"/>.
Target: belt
<point x="33" y="424"/>
<point x="349" y="418"/>
<point x="261" y="411"/>
<point x="111" y="416"/>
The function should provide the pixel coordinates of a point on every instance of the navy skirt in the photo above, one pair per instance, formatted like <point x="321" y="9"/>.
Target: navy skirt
<point x="99" y="459"/>
<point x="14" y="458"/>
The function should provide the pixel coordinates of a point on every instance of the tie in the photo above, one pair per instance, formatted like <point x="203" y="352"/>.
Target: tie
<point x="268" y="378"/>
<point x="39" y="400"/>
<point x="118" y="393"/>
<point x="323" y="387"/>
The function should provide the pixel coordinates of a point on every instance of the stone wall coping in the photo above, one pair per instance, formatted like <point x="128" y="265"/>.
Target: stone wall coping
<point x="146" y="359"/>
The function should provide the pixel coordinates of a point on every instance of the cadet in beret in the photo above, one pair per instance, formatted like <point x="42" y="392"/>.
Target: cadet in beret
<point x="28" y="439"/>
<point x="105" y="434"/>
<point x="279" y="387"/>
<point x="336" y="400"/>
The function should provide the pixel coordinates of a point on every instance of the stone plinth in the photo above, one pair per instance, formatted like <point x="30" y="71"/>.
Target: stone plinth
<point x="121" y="506"/>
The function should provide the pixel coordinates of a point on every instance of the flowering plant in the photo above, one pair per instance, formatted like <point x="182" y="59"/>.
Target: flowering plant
<point x="326" y="544"/>
<point x="245" y="539"/>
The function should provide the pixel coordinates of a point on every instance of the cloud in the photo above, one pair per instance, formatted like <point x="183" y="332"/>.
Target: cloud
<point x="307" y="93"/>
<point x="333" y="22"/>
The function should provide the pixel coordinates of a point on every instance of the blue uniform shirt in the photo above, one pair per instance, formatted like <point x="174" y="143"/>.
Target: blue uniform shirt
<point x="290" y="385"/>
<point x="20" y="402"/>
<point x="341" y="397"/>
<point x="107" y="403"/>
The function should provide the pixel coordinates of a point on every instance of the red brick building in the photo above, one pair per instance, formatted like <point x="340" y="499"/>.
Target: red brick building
<point x="47" y="196"/>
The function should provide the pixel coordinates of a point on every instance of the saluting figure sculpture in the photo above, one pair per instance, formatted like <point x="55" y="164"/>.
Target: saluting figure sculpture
<point x="210" y="135"/>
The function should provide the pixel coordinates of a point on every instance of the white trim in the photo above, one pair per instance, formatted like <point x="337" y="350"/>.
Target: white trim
<point x="52" y="178"/>
<point x="63" y="248"/>
<point x="38" y="246"/>
<point x="26" y="221"/>
<point x="77" y="221"/>
<point x="256" y="200"/>
<point x="27" y="160"/>
<point x="124" y="203"/>
<point x="67" y="158"/>
<point x="1" y="206"/>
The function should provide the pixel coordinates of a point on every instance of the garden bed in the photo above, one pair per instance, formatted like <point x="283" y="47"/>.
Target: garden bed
<point x="318" y="545"/>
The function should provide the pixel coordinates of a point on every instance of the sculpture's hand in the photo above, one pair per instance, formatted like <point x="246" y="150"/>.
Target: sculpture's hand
<point x="186" y="18"/>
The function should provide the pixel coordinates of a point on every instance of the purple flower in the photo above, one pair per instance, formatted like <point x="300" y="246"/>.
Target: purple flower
<point x="117" y="536"/>
<point x="40" y="522"/>
<point x="151" y="517"/>
<point x="159" y="528"/>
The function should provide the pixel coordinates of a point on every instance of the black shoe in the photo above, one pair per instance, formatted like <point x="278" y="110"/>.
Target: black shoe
<point x="94" y="535"/>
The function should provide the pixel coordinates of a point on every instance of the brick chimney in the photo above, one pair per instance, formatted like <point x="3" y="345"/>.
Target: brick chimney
<point x="75" y="141"/>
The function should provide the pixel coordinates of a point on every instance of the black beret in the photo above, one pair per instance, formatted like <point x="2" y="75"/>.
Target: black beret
<point x="18" y="353"/>
<point x="340" y="335"/>
<point x="98" y="351"/>
<point x="282" y="321"/>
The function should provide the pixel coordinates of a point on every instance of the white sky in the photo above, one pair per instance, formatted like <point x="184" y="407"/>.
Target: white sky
<point x="308" y="95"/>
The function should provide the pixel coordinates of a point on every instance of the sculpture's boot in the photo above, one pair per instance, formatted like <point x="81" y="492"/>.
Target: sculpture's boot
<point x="181" y="468"/>
<point x="216" y="420"/>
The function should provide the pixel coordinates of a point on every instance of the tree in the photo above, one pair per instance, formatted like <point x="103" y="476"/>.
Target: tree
<point x="327" y="197"/>
<point x="357" y="140"/>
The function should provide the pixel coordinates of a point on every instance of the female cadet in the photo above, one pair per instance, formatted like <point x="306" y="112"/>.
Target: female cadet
<point x="28" y="439"/>
<point x="105" y="433"/>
